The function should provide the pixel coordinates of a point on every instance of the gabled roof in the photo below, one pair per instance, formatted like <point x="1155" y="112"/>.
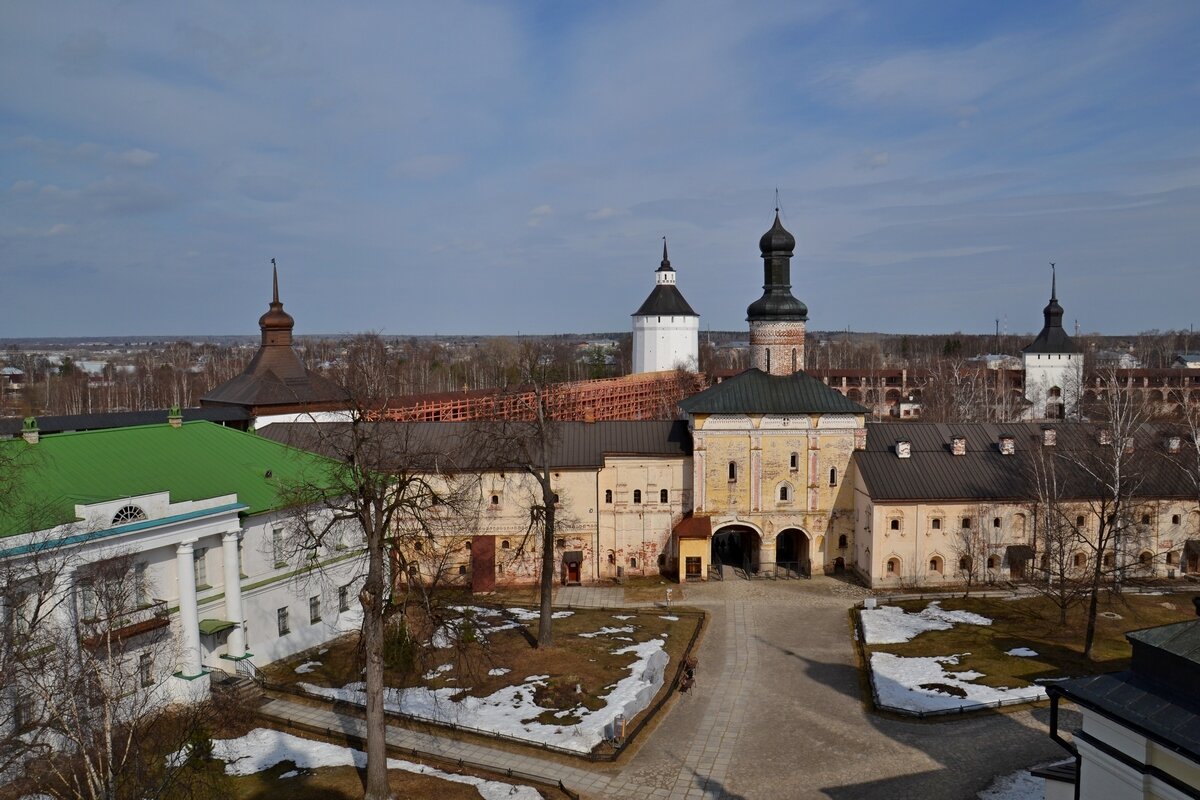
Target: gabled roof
<point x="983" y="473"/>
<point x="196" y="461"/>
<point x="457" y="446"/>
<point x="665" y="300"/>
<point x="756" y="392"/>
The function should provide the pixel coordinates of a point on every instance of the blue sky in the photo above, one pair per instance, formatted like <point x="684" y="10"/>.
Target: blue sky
<point x="494" y="168"/>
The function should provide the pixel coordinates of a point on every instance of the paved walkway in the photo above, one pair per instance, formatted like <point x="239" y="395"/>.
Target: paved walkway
<point x="777" y="713"/>
<point x="591" y="596"/>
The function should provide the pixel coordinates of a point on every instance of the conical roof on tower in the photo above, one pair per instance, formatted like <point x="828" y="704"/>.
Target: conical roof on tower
<point x="665" y="299"/>
<point x="1052" y="338"/>
<point x="276" y="380"/>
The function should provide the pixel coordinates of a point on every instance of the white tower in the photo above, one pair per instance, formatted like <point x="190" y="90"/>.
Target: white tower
<point x="666" y="331"/>
<point x="1053" y="365"/>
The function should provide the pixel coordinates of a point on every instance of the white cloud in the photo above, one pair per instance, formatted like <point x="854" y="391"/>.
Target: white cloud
<point x="134" y="157"/>
<point x="606" y="212"/>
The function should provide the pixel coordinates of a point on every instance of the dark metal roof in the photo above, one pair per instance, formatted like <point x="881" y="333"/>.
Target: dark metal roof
<point x="777" y="302"/>
<point x="1052" y="339"/>
<point x="1165" y="713"/>
<point x="457" y="446"/>
<point x="11" y="426"/>
<point x="665" y="300"/>
<point x="1181" y="639"/>
<point x="932" y="472"/>
<point x="756" y="392"/>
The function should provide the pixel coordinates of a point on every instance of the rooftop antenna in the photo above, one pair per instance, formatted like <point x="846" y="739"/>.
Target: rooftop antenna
<point x="274" y="282"/>
<point x="776" y="199"/>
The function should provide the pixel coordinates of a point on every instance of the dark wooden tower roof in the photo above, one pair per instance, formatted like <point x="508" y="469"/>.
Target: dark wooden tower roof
<point x="276" y="380"/>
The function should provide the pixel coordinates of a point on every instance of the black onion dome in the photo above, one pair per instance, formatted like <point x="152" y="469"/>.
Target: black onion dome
<point x="777" y="240"/>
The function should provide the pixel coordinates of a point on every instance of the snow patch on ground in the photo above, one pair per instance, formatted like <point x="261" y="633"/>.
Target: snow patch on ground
<point x="670" y="618"/>
<point x="624" y="617"/>
<point x="1021" y="652"/>
<point x="307" y="667"/>
<point x="899" y="680"/>
<point x="499" y="671"/>
<point x="433" y="673"/>
<point x="262" y="749"/>
<point x="607" y="630"/>
<point x="525" y="615"/>
<point x="513" y="711"/>
<point x="893" y="625"/>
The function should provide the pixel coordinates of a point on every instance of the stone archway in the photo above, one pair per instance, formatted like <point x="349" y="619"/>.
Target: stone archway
<point x="793" y="553"/>
<point x="737" y="546"/>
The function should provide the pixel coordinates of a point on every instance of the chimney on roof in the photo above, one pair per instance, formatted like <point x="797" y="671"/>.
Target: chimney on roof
<point x="1173" y="443"/>
<point x="175" y="417"/>
<point x="1049" y="437"/>
<point x="958" y="445"/>
<point x="29" y="430"/>
<point x="903" y="448"/>
<point x="1007" y="445"/>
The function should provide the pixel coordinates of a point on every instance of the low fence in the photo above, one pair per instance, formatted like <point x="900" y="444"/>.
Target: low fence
<point x="644" y="717"/>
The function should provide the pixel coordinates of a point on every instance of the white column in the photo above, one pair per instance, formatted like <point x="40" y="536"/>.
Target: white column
<point x="189" y="618"/>
<point x="233" y="594"/>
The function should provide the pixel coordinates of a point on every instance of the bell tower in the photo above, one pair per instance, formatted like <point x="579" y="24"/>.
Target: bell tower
<point x="777" y="319"/>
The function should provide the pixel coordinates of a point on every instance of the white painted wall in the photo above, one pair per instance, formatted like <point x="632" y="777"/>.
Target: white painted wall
<point x="664" y="343"/>
<point x="1046" y="370"/>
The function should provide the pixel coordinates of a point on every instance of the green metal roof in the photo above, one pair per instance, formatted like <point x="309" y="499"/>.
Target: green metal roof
<point x="756" y="392"/>
<point x="196" y="461"/>
<point x="210" y="626"/>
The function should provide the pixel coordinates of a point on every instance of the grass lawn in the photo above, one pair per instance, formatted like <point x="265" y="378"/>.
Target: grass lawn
<point x="652" y="590"/>
<point x="582" y="669"/>
<point x="1033" y="623"/>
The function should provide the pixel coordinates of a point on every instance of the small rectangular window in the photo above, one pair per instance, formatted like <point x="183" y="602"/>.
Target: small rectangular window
<point x="343" y="599"/>
<point x="146" y="669"/>
<point x="314" y="610"/>
<point x="637" y="495"/>
<point x="663" y="496"/>
<point x="141" y="588"/>
<point x="277" y="546"/>
<point x="200" y="559"/>
<point x="281" y="618"/>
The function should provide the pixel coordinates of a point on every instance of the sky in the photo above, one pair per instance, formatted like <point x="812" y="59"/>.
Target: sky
<point x="495" y="168"/>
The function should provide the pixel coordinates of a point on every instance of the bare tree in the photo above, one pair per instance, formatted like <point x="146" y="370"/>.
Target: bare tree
<point x="1109" y="474"/>
<point x="396" y="496"/>
<point x="1061" y="566"/>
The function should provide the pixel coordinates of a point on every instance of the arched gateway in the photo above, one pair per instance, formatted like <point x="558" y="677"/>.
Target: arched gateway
<point x="793" y="553"/>
<point x="736" y="546"/>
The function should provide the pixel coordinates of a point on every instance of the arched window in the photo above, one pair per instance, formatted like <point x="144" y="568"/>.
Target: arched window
<point x="130" y="513"/>
<point x="637" y="495"/>
<point x="608" y="495"/>
<point x="992" y="562"/>
<point x="1145" y="519"/>
<point x="833" y="476"/>
<point x="936" y="523"/>
<point x="1145" y="558"/>
<point x="785" y="493"/>
<point x="505" y="544"/>
<point x="995" y="522"/>
<point x="633" y="562"/>
<point x="935" y="564"/>
<point x="1079" y="521"/>
<point x="794" y="461"/>
<point x="663" y="496"/>
<point x="732" y="471"/>
<point x="495" y="499"/>
<point x="1174" y="519"/>
<point x="1170" y="559"/>
<point x="966" y="523"/>
<point x="894" y="524"/>
<point x="842" y="542"/>
<point x="1080" y="560"/>
<point x="964" y="564"/>
<point x="1109" y="559"/>
<point x="893" y="566"/>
